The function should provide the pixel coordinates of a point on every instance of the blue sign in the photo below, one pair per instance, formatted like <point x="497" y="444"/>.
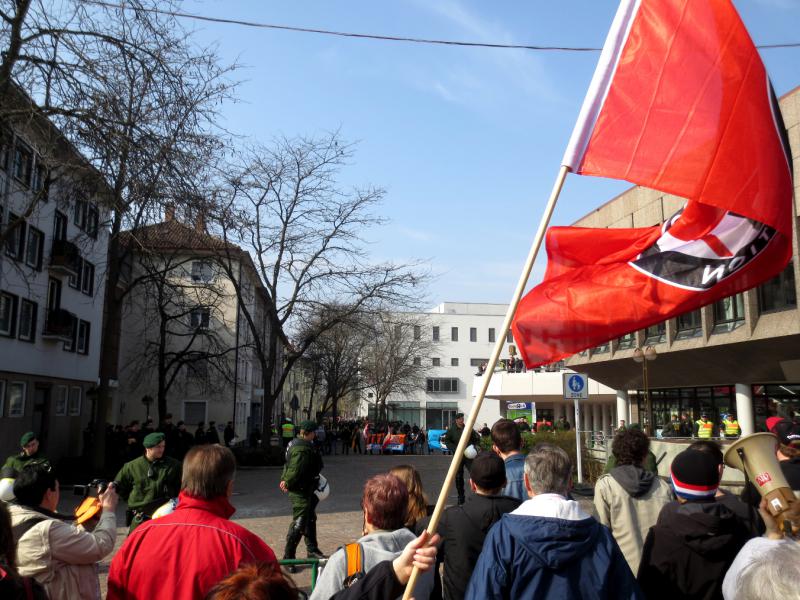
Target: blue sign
<point x="575" y="383"/>
<point x="576" y="386"/>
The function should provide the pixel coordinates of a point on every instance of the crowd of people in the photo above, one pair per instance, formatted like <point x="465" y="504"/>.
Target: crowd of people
<point x="518" y="534"/>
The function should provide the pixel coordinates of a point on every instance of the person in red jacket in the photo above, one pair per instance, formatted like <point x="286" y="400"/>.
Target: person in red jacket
<point x="185" y="553"/>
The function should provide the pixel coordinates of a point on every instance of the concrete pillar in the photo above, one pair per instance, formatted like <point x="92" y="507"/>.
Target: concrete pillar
<point x="605" y="418"/>
<point x="744" y="408"/>
<point x="623" y="408"/>
<point x="597" y="423"/>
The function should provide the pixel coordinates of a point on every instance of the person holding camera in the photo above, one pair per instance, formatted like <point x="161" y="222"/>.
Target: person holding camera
<point x="58" y="554"/>
<point x="149" y="481"/>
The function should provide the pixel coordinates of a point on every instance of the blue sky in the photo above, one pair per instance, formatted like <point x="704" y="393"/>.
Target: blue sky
<point x="466" y="141"/>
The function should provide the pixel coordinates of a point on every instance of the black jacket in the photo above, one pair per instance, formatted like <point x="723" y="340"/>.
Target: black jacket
<point x="688" y="551"/>
<point x="379" y="583"/>
<point x="463" y="529"/>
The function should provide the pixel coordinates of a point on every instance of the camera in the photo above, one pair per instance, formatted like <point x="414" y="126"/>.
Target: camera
<point x="93" y="488"/>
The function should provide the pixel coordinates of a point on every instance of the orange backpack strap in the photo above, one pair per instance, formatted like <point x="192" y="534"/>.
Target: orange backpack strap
<point x="354" y="554"/>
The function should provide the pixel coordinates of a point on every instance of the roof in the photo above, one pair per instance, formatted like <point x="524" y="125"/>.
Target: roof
<point x="174" y="235"/>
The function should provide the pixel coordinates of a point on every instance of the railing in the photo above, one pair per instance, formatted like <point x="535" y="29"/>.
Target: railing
<point x="64" y="257"/>
<point x="58" y="324"/>
<point x="316" y="564"/>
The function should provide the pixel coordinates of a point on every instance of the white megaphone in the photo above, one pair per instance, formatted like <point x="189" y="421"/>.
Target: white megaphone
<point x="754" y="455"/>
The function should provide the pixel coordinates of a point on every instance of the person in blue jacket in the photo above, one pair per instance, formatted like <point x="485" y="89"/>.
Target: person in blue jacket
<point x="549" y="547"/>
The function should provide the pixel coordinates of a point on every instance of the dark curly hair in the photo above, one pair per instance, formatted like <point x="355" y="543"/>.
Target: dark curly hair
<point x="630" y="446"/>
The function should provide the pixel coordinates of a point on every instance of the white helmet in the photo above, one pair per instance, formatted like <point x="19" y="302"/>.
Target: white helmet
<point x="323" y="488"/>
<point x="165" y="509"/>
<point x="7" y="489"/>
<point x="470" y="452"/>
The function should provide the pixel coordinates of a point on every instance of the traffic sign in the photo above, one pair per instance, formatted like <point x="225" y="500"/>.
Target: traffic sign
<point x="576" y="386"/>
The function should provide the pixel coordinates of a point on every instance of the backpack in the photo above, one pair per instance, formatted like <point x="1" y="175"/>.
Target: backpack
<point x="354" y="563"/>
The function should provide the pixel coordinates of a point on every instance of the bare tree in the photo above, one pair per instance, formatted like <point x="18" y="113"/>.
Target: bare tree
<point x="396" y="354"/>
<point x="306" y="231"/>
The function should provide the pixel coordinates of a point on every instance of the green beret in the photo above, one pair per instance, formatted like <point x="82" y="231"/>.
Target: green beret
<point x="153" y="439"/>
<point x="27" y="438"/>
<point x="308" y="426"/>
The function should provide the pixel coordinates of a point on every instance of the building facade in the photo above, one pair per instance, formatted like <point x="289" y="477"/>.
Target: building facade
<point x="184" y="333"/>
<point x="51" y="288"/>
<point x="740" y="354"/>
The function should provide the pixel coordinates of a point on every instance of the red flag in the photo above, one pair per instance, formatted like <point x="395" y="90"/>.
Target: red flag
<point x="681" y="103"/>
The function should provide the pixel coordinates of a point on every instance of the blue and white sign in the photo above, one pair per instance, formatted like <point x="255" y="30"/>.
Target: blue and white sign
<point x="576" y="386"/>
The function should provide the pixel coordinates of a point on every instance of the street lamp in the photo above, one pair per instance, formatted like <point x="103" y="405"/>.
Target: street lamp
<point x="645" y="356"/>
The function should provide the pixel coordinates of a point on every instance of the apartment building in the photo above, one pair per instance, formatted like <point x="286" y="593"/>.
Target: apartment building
<point x="51" y="287"/>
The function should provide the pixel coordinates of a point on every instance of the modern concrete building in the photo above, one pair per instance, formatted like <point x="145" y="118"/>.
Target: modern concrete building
<point x="51" y="287"/>
<point x="464" y="335"/>
<point x="184" y="331"/>
<point x="740" y="355"/>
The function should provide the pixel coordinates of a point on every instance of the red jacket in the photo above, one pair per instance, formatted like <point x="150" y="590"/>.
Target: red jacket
<point x="184" y="554"/>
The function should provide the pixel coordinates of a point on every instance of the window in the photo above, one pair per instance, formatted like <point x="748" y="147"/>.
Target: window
<point x="75" y="280"/>
<point x="417" y="332"/>
<point x="689" y="325"/>
<point x="200" y="318"/>
<point x="491" y="334"/>
<point x="15" y="242"/>
<point x="202" y="271"/>
<point x="453" y="362"/>
<point x="477" y="362"/>
<point x="40" y="182"/>
<point x="442" y="384"/>
<point x="435" y="334"/>
<point x="473" y="334"/>
<point x="454" y="334"/>
<point x="728" y="313"/>
<point x="60" y="226"/>
<point x="79" y="216"/>
<point x="23" y="163"/>
<point x="87" y="278"/>
<point x="2" y="383"/>
<point x="194" y="412"/>
<point x="27" y="321"/>
<point x="74" y="405"/>
<point x="627" y="341"/>
<point x="779" y="292"/>
<point x="6" y="142"/>
<point x="509" y="337"/>
<point x="15" y="395"/>
<point x="436" y="362"/>
<point x="8" y="314"/>
<point x="53" y="294"/>
<point x="34" y="248"/>
<point x="72" y="342"/>
<point x="417" y="361"/>
<point x="84" y="329"/>
<point x="60" y="396"/>
<point x="92" y="221"/>
<point x="655" y="334"/>
<point x="198" y="369"/>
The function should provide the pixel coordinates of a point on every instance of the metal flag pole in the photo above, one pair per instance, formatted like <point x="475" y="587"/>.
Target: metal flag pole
<point x="458" y="453"/>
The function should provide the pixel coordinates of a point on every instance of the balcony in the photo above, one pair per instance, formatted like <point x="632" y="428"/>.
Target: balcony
<point x="64" y="258"/>
<point x="58" y="325"/>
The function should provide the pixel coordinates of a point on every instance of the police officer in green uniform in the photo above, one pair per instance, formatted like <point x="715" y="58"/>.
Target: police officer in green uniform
<point x="149" y="481"/>
<point x="299" y="479"/>
<point x="29" y="455"/>
<point x="451" y="439"/>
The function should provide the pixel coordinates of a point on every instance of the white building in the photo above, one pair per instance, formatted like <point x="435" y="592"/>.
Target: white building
<point x="51" y="288"/>
<point x="209" y="361"/>
<point x="465" y="335"/>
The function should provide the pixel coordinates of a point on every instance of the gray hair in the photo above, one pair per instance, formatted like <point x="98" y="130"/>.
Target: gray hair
<point x="772" y="574"/>
<point x="549" y="469"/>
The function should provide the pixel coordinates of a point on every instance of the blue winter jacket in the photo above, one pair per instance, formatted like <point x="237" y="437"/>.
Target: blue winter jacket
<point x="515" y="485"/>
<point x="539" y="557"/>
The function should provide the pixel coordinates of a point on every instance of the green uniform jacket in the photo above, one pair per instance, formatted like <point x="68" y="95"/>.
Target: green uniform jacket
<point x="453" y="436"/>
<point x="21" y="460"/>
<point x="303" y="464"/>
<point x="145" y="493"/>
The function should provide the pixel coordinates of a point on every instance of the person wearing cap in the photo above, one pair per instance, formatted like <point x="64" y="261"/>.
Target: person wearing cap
<point x="688" y="551"/>
<point x="704" y="428"/>
<point x="549" y="547"/>
<point x="463" y="528"/>
<point x="29" y="454"/>
<point x="787" y="452"/>
<point x="148" y="481"/>
<point x="451" y="438"/>
<point x="59" y="553"/>
<point x="299" y="480"/>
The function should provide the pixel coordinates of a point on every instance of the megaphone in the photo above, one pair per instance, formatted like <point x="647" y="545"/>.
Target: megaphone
<point x="754" y="455"/>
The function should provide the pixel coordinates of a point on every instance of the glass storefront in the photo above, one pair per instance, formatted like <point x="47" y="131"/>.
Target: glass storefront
<point x="775" y="401"/>
<point x="440" y="415"/>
